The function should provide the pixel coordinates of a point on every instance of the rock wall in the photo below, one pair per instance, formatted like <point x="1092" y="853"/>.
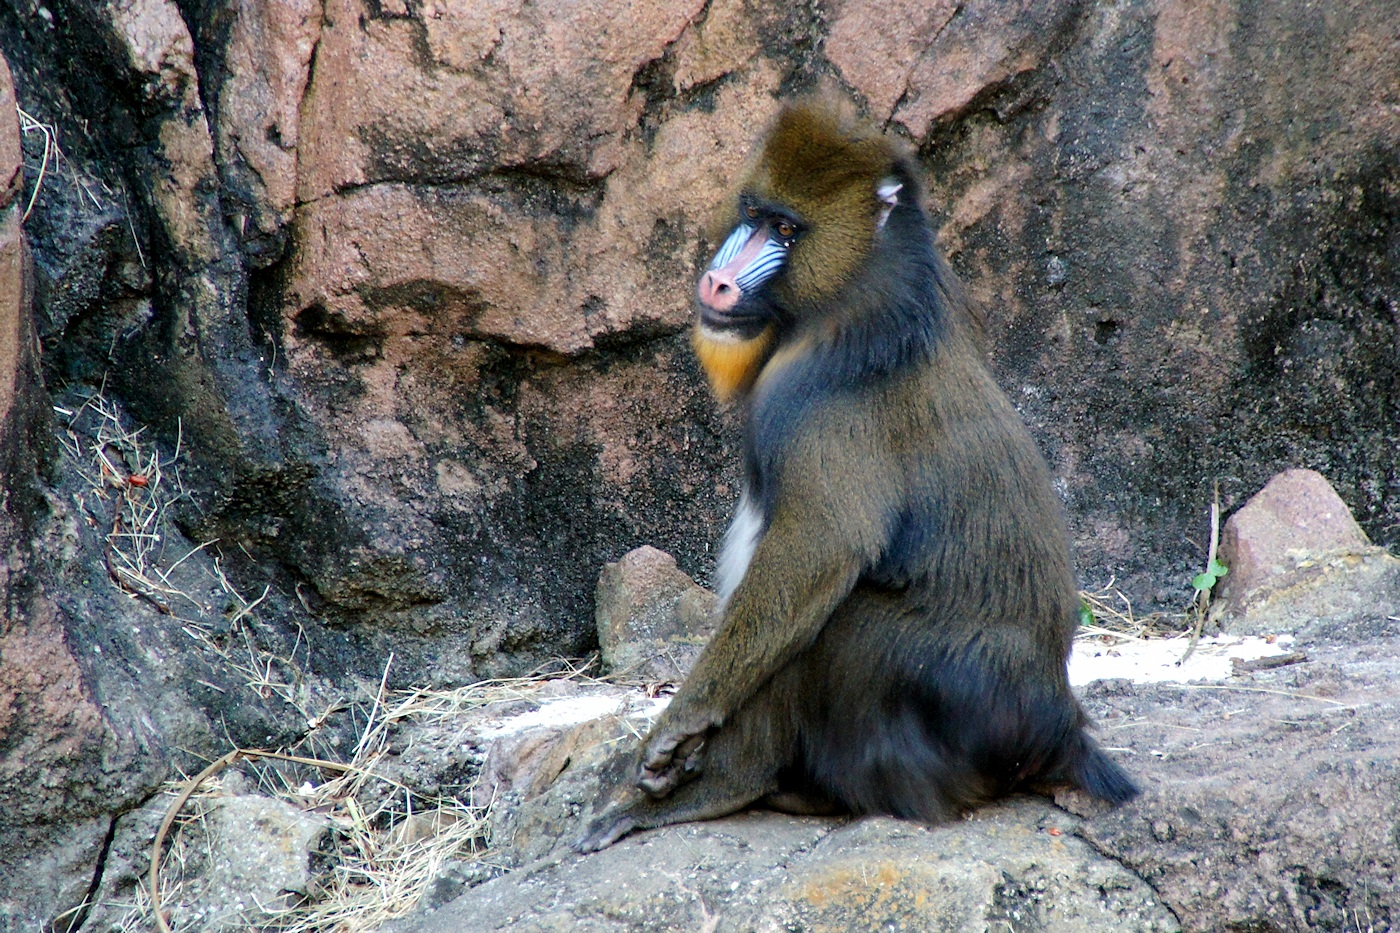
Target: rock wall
<point x="410" y="280"/>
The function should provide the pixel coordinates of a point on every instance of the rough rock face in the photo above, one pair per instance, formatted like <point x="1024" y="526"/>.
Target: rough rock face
<point x="101" y="692"/>
<point x="249" y="862"/>
<point x="1184" y="247"/>
<point x="49" y="728"/>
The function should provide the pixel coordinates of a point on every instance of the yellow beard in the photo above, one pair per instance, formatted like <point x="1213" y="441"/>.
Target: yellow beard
<point x="732" y="365"/>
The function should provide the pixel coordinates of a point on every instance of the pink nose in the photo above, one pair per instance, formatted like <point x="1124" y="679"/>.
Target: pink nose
<point x="718" y="290"/>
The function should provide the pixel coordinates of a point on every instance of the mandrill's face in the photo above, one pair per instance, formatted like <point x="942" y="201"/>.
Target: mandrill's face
<point x="808" y="214"/>
<point x="756" y="251"/>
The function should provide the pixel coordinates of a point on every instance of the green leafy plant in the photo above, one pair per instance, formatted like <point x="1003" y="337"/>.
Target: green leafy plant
<point x="1205" y="581"/>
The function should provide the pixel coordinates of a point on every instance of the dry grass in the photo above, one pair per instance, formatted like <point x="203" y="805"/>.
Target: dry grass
<point x="1115" y="620"/>
<point x="446" y="705"/>
<point x="48" y="162"/>
<point x="29" y="126"/>
<point x="129" y="490"/>
<point x="386" y="842"/>
<point x="389" y="841"/>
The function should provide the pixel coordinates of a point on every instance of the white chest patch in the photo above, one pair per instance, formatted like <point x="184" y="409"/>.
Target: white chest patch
<point x="739" y="544"/>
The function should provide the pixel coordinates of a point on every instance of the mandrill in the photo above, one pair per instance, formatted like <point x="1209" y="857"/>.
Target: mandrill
<point x="897" y="596"/>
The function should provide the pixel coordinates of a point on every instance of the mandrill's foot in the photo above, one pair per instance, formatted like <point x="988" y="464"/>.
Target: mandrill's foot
<point x="671" y="756"/>
<point x="605" y="830"/>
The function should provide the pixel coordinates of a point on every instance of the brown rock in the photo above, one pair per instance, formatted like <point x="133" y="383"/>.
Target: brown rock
<point x="1295" y="555"/>
<point x="653" y="620"/>
<point x="268" y="63"/>
<point x="723" y="42"/>
<point x="12" y="310"/>
<point x="463" y="88"/>
<point x="389" y="263"/>
<point x="918" y="63"/>
<point x="499" y="207"/>
<point x="39" y="699"/>
<point x="160" y="52"/>
<point x="877" y="45"/>
<point x="1296" y="517"/>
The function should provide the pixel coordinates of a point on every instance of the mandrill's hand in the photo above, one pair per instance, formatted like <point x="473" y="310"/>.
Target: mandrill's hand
<point x="673" y="754"/>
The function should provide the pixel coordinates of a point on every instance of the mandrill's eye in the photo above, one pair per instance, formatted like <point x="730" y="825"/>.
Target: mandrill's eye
<point x="751" y="212"/>
<point x="785" y="229"/>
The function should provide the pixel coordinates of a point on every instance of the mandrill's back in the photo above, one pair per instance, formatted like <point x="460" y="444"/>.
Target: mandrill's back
<point x="963" y="695"/>
<point x="974" y="533"/>
<point x="982" y="537"/>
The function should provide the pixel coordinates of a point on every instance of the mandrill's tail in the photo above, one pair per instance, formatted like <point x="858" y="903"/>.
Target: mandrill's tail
<point x="1098" y="775"/>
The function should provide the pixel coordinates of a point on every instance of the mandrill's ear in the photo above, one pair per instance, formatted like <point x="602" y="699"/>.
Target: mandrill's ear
<point x="888" y="193"/>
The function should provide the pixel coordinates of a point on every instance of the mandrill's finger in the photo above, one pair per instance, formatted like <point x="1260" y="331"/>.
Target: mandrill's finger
<point x="688" y="751"/>
<point x="661" y="751"/>
<point x="657" y="784"/>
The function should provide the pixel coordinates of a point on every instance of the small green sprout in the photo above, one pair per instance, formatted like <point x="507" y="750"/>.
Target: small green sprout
<point x="1204" y="582"/>
<point x="1086" y="615"/>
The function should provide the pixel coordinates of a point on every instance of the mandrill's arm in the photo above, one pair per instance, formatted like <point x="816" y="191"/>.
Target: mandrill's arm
<point x="830" y="522"/>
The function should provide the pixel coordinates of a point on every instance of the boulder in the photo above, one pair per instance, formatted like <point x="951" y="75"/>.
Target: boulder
<point x="1298" y="561"/>
<point x="258" y="860"/>
<point x="1017" y="865"/>
<point x="653" y="620"/>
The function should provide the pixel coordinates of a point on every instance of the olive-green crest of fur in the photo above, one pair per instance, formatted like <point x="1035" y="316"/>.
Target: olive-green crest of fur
<point x="822" y="162"/>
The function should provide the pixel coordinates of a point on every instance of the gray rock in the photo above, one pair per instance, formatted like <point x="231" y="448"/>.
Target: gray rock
<point x="245" y="857"/>
<point x="1016" y="865"/>
<point x="1013" y="866"/>
<point x="542" y="821"/>
<point x="1269" y="803"/>
<point x="259" y="854"/>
